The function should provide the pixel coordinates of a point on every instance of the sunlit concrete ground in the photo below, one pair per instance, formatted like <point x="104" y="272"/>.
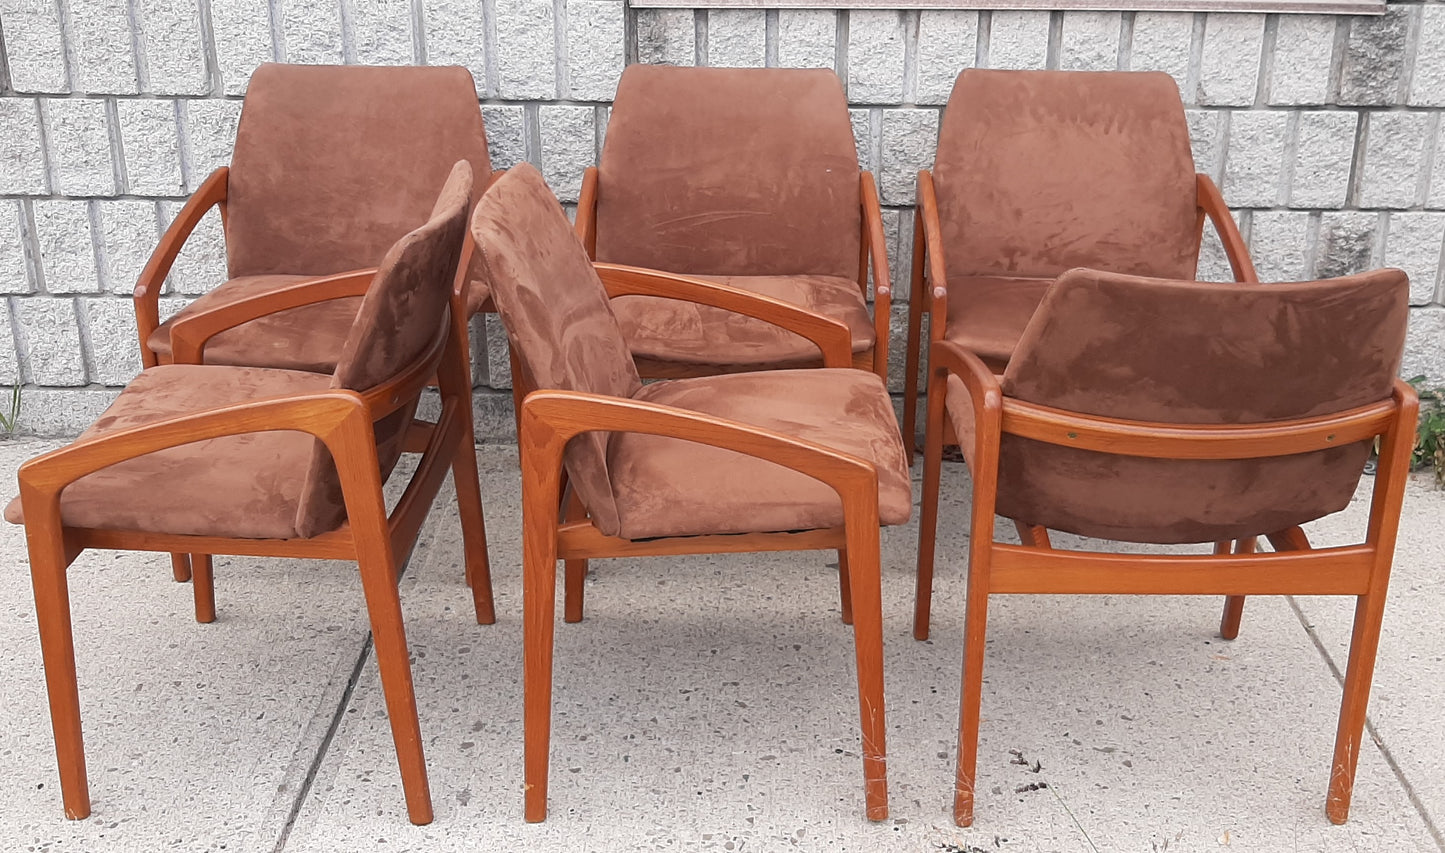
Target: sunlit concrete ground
<point x="708" y="703"/>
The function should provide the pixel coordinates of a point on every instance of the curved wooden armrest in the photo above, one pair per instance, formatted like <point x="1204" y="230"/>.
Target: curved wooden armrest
<point x="831" y="336"/>
<point x="980" y="381"/>
<point x="324" y="414"/>
<point x="586" y="224"/>
<point x="933" y="244"/>
<point x="189" y="334"/>
<point x="550" y="418"/>
<point x="147" y="294"/>
<point x="1211" y="204"/>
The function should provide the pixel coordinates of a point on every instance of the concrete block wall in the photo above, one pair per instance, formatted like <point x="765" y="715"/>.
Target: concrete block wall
<point x="1324" y="133"/>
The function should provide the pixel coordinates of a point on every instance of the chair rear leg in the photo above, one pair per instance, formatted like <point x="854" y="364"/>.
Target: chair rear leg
<point x="575" y="586"/>
<point x="928" y="511"/>
<point x="865" y="590"/>
<point x="383" y="606"/>
<point x="912" y="357"/>
<point x="474" y="524"/>
<point x="57" y="646"/>
<point x="181" y="567"/>
<point x="844" y="582"/>
<point x="1364" y="644"/>
<point x="203" y="587"/>
<point x="1233" y="604"/>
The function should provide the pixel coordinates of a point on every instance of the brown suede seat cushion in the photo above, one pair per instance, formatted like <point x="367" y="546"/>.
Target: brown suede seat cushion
<point x="669" y="487"/>
<point x="687" y="333"/>
<point x="305" y="338"/>
<point x="245" y="486"/>
<point x="987" y="314"/>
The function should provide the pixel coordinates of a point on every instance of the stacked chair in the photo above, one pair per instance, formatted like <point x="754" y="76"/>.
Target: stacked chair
<point x="724" y="246"/>
<point x="331" y="166"/>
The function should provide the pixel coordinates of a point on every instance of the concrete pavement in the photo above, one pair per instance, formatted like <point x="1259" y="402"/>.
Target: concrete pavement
<point x="708" y="703"/>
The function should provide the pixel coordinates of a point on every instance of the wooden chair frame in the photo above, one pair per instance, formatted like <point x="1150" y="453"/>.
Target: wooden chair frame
<point x="549" y="419"/>
<point x="928" y="283"/>
<point x="379" y="543"/>
<point x="190" y="334"/>
<point x="1294" y="568"/>
<point x="872" y="256"/>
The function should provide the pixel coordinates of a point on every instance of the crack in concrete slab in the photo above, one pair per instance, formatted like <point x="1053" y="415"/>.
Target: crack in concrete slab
<point x="304" y="790"/>
<point x="1379" y="741"/>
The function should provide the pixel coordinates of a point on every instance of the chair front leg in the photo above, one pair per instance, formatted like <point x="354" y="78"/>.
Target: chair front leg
<point x="181" y="567"/>
<point x="57" y="646"/>
<point x="541" y="459"/>
<point x="454" y="378"/>
<point x="1234" y="604"/>
<point x="865" y="590"/>
<point x="971" y="693"/>
<point x="203" y="588"/>
<point x="928" y="509"/>
<point x="845" y="595"/>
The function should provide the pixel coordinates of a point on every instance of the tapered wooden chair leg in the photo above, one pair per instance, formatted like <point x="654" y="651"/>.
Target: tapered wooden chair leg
<point x="474" y="526"/>
<point x="1233" y="613"/>
<point x="388" y="633"/>
<point x="975" y="629"/>
<point x="928" y="511"/>
<point x="865" y="589"/>
<point x="1349" y="737"/>
<point x="203" y="587"/>
<point x="181" y="567"/>
<point x="57" y="646"/>
<point x="844" y="582"/>
<point x="539" y="596"/>
<point x="575" y="587"/>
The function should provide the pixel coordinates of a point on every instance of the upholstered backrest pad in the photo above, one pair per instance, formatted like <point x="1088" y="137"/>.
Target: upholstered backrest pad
<point x="730" y="171"/>
<point x="401" y="315"/>
<point x="333" y="164"/>
<point x="557" y="316"/>
<point x="1041" y="171"/>
<point x="1183" y="352"/>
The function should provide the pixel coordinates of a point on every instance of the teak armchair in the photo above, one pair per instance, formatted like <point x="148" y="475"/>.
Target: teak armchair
<point x="1038" y="172"/>
<point x="1154" y="411"/>
<point x="331" y="166"/>
<point x="266" y="462"/>
<point x="768" y="461"/>
<point x="746" y="177"/>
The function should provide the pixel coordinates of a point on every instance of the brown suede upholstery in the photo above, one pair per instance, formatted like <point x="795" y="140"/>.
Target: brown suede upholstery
<point x="332" y="165"/>
<point x="736" y="172"/>
<point x="688" y="333"/>
<point x="246" y="486"/>
<point x="667" y="487"/>
<point x="401" y="315"/>
<point x="1189" y="353"/>
<point x="1041" y="171"/>
<point x="305" y="338"/>
<point x="274" y="485"/>
<point x="561" y="326"/>
<point x="556" y="314"/>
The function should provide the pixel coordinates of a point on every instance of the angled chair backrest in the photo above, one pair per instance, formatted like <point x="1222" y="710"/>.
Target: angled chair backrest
<point x="402" y="313"/>
<point x="1038" y="172"/>
<point x="558" y="319"/>
<point x="1182" y="352"/>
<point x="332" y="164"/>
<point x="730" y="171"/>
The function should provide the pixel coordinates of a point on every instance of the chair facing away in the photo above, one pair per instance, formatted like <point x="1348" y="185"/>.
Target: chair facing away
<point x="332" y="165"/>
<point x="1038" y="172"/>
<point x="776" y="460"/>
<point x="747" y="177"/>
<point x="266" y="462"/>
<point x="1145" y="410"/>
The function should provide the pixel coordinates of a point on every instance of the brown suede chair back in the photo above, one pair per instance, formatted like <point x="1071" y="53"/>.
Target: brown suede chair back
<point x="1038" y="172"/>
<point x="334" y="164"/>
<point x="730" y="171"/>
<point x="400" y="316"/>
<point x="558" y="319"/>
<point x="1182" y="352"/>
